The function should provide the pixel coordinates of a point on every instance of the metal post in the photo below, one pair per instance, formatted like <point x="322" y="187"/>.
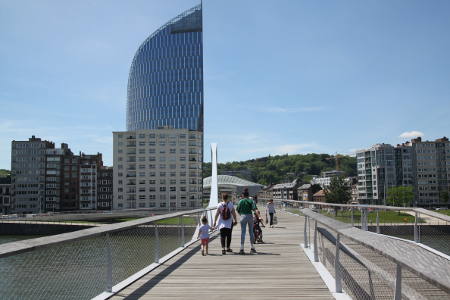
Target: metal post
<point x="353" y="217"/>
<point x="378" y="222"/>
<point x="108" y="264"/>
<point x="305" y="234"/>
<point x="398" y="283"/>
<point x="157" y="244"/>
<point x="416" y="229"/>
<point x="316" y="253"/>
<point x="182" y="231"/>
<point x="364" y="219"/>
<point x="337" y="268"/>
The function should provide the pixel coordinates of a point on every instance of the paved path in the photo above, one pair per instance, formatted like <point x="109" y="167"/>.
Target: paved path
<point x="280" y="270"/>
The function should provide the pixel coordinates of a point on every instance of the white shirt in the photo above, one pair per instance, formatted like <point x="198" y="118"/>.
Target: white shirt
<point x="225" y="223"/>
<point x="204" y="231"/>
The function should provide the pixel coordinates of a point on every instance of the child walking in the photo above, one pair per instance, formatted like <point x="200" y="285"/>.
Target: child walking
<point x="203" y="233"/>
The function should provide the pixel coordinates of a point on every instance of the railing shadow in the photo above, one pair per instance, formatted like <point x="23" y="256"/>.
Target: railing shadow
<point x="160" y="276"/>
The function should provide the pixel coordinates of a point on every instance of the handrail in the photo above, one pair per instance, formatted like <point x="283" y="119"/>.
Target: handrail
<point x="425" y="264"/>
<point x="383" y="207"/>
<point x="32" y="244"/>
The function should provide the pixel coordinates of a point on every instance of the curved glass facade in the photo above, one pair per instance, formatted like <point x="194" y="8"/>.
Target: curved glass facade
<point x="165" y="86"/>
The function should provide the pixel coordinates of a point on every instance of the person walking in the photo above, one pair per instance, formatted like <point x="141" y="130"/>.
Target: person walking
<point x="227" y="217"/>
<point x="270" y="209"/>
<point x="203" y="234"/>
<point x="245" y="208"/>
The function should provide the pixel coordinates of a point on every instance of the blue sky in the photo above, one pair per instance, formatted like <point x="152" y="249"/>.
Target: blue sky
<point x="280" y="76"/>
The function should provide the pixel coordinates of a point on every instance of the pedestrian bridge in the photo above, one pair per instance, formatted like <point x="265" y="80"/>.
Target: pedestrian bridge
<point x="306" y="256"/>
<point x="280" y="270"/>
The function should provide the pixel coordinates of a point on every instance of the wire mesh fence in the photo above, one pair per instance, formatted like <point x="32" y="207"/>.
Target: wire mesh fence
<point x="365" y="273"/>
<point x="85" y="267"/>
<point x="418" y="225"/>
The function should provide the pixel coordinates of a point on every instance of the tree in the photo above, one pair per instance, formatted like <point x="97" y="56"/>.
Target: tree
<point x="339" y="192"/>
<point x="444" y="196"/>
<point x="400" y="196"/>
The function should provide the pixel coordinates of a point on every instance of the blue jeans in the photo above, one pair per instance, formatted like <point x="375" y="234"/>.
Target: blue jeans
<point x="246" y="220"/>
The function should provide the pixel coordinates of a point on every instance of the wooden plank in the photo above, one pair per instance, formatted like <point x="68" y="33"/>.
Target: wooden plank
<point x="280" y="270"/>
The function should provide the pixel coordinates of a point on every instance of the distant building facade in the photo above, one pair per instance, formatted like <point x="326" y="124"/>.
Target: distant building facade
<point x="28" y="166"/>
<point x="325" y="178"/>
<point x="5" y="195"/>
<point x="319" y="196"/>
<point x="266" y="193"/>
<point x="158" y="169"/>
<point x="61" y="180"/>
<point x="105" y="188"/>
<point x="424" y="165"/>
<point x="232" y="185"/>
<point x="431" y="161"/>
<point x="163" y="171"/>
<point x="305" y="193"/>
<point x="45" y="178"/>
<point x="286" y="191"/>
<point x="376" y="173"/>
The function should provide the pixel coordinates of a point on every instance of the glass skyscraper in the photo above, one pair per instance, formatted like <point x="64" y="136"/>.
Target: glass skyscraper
<point x="165" y="85"/>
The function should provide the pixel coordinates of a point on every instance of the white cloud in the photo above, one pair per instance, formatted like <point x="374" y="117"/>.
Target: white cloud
<point x="411" y="134"/>
<point x="279" y="109"/>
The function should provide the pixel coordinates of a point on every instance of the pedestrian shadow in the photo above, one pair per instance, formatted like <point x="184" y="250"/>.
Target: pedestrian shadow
<point x="279" y="227"/>
<point x="266" y="253"/>
<point x="138" y="293"/>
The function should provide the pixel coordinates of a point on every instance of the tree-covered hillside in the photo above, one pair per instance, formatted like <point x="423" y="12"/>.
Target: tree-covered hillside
<point x="281" y="168"/>
<point x="4" y="173"/>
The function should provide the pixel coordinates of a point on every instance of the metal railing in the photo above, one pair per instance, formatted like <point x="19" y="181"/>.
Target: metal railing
<point x="367" y="265"/>
<point x="94" y="262"/>
<point x="427" y="228"/>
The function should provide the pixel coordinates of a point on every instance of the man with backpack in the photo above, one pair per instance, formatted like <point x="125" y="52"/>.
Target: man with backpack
<point x="227" y="217"/>
<point x="245" y="208"/>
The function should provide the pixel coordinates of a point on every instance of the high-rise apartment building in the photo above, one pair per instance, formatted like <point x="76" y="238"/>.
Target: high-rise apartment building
<point x="157" y="169"/>
<point x="45" y="178"/>
<point x="376" y="173"/>
<point x="105" y="188"/>
<point x="5" y="195"/>
<point x="158" y="160"/>
<point x="28" y="159"/>
<point x="89" y="170"/>
<point x="424" y="165"/>
<point x="61" y="180"/>
<point x="431" y="162"/>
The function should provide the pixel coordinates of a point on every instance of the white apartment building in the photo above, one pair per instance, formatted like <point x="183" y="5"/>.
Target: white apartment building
<point x="157" y="169"/>
<point x="376" y="173"/>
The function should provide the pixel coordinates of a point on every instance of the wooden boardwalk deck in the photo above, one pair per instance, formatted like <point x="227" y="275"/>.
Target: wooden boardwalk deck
<point x="280" y="270"/>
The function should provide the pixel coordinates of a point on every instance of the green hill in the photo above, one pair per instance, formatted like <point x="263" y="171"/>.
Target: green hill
<point x="281" y="168"/>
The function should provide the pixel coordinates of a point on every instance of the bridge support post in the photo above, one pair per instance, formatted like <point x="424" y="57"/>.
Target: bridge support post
<point x="108" y="264"/>
<point x="157" y="244"/>
<point x="182" y="242"/>
<point x="416" y="228"/>
<point x="337" y="266"/>
<point x="305" y="232"/>
<point x="316" y="252"/>
<point x="398" y="283"/>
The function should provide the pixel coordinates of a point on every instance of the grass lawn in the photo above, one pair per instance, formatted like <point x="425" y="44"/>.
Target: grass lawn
<point x="384" y="217"/>
<point x="444" y="211"/>
<point x="175" y="221"/>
